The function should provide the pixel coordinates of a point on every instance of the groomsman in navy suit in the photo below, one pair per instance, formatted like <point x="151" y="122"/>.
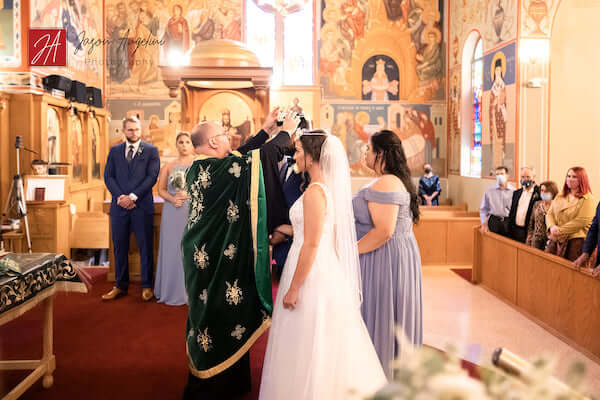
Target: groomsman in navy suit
<point x="131" y="171"/>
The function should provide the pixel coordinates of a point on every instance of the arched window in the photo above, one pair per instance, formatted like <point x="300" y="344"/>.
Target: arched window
<point x="471" y="110"/>
<point x="282" y="38"/>
<point x="477" y="118"/>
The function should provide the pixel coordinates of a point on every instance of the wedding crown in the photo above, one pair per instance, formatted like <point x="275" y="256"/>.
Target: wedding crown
<point x="315" y="132"/>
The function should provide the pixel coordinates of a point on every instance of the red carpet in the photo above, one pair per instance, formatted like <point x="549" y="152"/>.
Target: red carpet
<point x="464" y="273"/>
<point x="124" y="349"/>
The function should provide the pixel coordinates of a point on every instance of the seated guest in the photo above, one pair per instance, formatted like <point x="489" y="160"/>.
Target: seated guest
<point x="429" y="187"/>
<point x="522" y="205"/>
<point x="592" y="241"/>
<point x="495" y="205"/>
<point x="536" y="228"/>
<point x="570" y="216"/>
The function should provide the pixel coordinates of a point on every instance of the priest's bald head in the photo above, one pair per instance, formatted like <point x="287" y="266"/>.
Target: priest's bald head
<point x="211" y="139"/>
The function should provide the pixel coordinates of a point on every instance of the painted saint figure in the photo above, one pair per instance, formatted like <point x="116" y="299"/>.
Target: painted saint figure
<point x="177" y="34"/>
<point x="379" y="85"/>
<point x="498" y="114"/>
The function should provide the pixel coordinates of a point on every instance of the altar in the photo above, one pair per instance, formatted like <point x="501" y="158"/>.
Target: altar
<point x="27" y="281"/>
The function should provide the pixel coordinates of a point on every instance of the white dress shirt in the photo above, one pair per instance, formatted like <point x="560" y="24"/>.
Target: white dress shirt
<point x="523" y="206"/>
<point x="136" y="146"/>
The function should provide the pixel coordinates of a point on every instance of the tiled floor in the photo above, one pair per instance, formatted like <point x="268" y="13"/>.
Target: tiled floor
<point x="455" y="311"/>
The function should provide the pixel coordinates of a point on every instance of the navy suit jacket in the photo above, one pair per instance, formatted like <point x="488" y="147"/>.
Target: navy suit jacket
<point x="138" y="177"/>
<point x="592" y="240"/>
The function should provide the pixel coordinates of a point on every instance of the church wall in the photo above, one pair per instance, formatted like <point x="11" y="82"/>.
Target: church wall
<point x="382" y="66"/>
<point x="496" y="22"/>
<point x="574" y="91"/>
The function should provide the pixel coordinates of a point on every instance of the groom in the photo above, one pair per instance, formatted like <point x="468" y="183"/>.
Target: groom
<point x="131" y="171"/>
<point x="226" y="257"/>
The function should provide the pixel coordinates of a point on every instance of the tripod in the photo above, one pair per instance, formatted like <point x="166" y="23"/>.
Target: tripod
<point x="16" y="195"/>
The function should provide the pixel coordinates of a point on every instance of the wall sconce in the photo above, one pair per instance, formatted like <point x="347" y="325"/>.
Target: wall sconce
<point x="536" y="53"/>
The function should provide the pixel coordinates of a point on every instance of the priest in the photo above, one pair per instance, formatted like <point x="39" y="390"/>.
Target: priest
<point x="226" y="256"/>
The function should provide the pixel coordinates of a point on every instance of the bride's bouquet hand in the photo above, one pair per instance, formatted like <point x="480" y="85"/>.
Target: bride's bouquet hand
<point x="290" y="299"/>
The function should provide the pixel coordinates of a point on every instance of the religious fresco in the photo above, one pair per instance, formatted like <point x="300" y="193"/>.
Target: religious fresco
<point x="421" y="128"/>
<point x="465" y="16"/>
<point x="232" y="113"/>
<point x="77" y="148"/>
<point x="454" y="121"/>
<point x="95" y="143"/>
<point x="161" y="121"/>
<point x="54" y="135"/>
<point x="380" y="79"/>
<point x="83" y="23"/>
<point x="408" y="32"/>
<point x="500" y="23"/>
<point x="537" y="16"/>
<point x="145" y="33"/>
<point x="499" y="110"/>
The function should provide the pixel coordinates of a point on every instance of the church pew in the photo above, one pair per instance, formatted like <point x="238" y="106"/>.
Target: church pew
<point x="546" y="288"/>
<point x="458" y="207"/>
<point x="448" y="213"/>
<point x="445" y="240"/>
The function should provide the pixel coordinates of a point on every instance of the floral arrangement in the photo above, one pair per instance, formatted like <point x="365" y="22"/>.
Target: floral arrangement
<point x="177" y="179"/>
<point x="429" y="374"/>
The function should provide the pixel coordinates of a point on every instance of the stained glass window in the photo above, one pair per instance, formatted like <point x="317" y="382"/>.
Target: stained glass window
<point x="477" y="95"/>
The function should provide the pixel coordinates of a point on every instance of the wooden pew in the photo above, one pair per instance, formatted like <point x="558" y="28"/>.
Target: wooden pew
<point x="546" y="288"/>
<point x="458" y="207"/>
<point x="448" y="213"/>
<point x="446" y="239"/>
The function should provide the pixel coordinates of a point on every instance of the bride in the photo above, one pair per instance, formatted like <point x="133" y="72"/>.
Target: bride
<point x="319" y="347"/>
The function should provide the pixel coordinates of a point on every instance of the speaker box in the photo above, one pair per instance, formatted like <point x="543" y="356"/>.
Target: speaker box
<point x="78" y="92"/>
<point x="57" y="82"/>
<point x="94" y="96"/>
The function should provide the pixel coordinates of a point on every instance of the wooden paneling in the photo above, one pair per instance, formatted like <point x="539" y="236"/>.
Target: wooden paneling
<point x="445" y="240"/>
<point x="432" y="238"/>
<point x="90" y="230"/>
<point x="548" y="289"/>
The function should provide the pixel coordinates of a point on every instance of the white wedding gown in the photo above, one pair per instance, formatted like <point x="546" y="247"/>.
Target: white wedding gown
<point x="321" y="350"/>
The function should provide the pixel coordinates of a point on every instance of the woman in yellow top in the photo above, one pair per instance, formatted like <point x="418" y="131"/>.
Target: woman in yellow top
<point x="570" y="215"/>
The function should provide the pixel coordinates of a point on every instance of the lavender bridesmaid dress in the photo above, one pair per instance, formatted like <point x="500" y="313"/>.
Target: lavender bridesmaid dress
<point x="169" y="287"/>
<point x="391" y="277"/>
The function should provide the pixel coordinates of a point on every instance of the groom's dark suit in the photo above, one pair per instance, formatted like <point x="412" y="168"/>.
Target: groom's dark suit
<point x="137" y="177"/>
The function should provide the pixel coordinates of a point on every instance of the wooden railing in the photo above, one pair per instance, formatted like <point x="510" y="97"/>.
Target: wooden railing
<point x="446" y="238"/>
<point x="546" y="288"/>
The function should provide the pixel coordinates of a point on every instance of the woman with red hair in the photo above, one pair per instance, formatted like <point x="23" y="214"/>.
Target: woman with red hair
<point x="570" y="215"/>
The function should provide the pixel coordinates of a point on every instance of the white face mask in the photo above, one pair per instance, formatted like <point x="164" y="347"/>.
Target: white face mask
<point x="546" y="196"/>
<point x="501" y="179"/>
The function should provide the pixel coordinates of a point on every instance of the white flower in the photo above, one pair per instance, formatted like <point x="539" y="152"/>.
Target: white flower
<point x="454" y="387"/>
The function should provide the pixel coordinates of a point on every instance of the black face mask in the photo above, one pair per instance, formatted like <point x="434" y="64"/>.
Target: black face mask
<point x="427" y="170"/>
<point x="527" y="183"/>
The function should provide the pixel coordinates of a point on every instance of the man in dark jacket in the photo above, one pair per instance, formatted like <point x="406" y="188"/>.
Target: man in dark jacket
<point x="523" y="200"/>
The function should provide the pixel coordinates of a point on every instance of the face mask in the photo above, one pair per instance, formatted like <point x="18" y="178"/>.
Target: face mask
<point x="527" y="183"/>
<point x="546" y="196"/>
<point x="501" y="179"/>
<point x="427" y="170"/>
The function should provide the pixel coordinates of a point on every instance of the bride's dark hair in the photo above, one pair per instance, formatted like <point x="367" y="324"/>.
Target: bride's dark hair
<point x="312" y="143"/>
<point x="389" y="153"/>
